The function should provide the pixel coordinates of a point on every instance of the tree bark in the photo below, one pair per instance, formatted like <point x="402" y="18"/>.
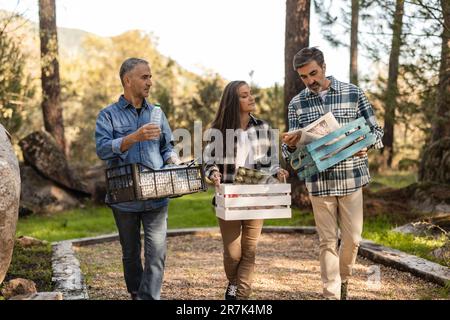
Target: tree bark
<point x="441" y="125"/>
<point x="296" y="38"/>
<point x="392" y="86"/>
<point x="51" y="105"/>
<point x="354" y="43"/>
<point x="435" y="164"/>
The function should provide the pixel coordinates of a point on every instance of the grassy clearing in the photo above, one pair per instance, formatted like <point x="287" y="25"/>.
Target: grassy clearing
<point x="196" y="211"/>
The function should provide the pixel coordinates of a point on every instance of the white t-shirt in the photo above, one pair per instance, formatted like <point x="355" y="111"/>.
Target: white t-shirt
<point x="322" y="94"/>
<point x="243" y="150"/>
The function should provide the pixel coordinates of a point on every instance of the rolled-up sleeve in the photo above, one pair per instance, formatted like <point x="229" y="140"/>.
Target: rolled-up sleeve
<point x="166" y="141"/>
<point x="365" y="110"/>
<point x="269" y="138"/>
<point x="107" y="147"/>
<point x="209" y="159"/>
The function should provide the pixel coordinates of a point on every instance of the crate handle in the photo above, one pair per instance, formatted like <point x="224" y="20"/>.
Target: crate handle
<point x="295" y="160"/>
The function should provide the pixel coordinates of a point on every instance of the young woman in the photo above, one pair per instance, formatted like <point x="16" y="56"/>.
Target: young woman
<point x="253" y="148"/>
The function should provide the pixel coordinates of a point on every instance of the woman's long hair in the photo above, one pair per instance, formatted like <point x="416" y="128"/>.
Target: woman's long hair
<point x="228" y="115"/>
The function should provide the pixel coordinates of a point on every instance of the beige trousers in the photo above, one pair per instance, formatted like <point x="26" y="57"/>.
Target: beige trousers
<point x="240" y="238"/>
<point x="331" y="214"/>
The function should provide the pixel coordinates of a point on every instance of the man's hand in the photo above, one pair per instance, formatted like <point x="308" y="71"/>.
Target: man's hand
<point x="148" y="131"/>
<point x="291" y="139"/>
<point x="174" y="160"/>
<point x="361" y="153"/>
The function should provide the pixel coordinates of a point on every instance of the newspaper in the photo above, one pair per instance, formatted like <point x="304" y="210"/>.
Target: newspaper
<point x="316" y="130"/>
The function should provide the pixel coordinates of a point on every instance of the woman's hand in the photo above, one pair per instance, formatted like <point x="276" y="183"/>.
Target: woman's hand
<point x="215" y="178"/>
<point x="282" y="174"/>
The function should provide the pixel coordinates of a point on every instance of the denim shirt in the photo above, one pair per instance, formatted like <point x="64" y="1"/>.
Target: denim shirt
<point x="119" y="120"/>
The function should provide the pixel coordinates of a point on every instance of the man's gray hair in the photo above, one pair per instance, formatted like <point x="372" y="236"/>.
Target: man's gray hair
<point x="129" y="65"/>
<point x="306" y="55"/>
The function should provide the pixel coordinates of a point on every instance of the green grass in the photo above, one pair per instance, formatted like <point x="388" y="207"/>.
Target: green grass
<point x="194" y="210"/>
<point x="32" y="263"/>
<point x="394" y="179"/>
<point x="185" y="212"/>
<point x="379" y="230"/>
<point x="78" y="223"/>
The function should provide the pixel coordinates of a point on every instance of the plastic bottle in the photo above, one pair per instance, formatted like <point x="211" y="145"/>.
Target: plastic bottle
<point x="156" y="114"/>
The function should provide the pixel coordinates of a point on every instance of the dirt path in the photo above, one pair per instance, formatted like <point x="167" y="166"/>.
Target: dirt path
<point x="287" y="267"/>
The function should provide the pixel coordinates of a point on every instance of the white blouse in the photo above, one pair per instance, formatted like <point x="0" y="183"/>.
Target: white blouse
<point x="243" y="151"/>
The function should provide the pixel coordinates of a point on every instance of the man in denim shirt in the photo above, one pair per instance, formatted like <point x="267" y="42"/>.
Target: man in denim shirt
<point x="124" y="135"/>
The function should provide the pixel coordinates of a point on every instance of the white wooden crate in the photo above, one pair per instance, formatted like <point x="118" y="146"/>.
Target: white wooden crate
<point x="253" y="201"/>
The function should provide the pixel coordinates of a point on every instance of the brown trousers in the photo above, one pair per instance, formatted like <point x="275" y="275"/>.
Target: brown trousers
<point x="240" y="238"/>
<point x="331" y="214"/>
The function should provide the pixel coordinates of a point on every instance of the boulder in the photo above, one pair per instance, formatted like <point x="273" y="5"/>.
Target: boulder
<point x="25" y="241"/>
<point x="422" y="229"/>
<point x="17" y="287"/>
<point x="40" y="195"/>
<point x="9" y="200"/>
<point x="39" y="296"/>
<point x="42" y="153"/>
<point x="95" y="181"/>
<point x="443" y="253"/>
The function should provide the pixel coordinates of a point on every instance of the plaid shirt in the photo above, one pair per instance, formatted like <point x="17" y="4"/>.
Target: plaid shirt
<point x="264" y="146"/>
<point x="347" y="102"/>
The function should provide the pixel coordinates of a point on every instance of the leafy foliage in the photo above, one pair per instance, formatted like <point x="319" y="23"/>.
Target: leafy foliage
<point x="15" y="86"/>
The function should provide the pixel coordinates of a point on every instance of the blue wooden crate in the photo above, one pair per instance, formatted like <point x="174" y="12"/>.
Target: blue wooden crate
<point x="324" y="153"/>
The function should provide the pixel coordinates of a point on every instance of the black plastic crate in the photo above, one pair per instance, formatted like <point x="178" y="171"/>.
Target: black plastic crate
<point x="138" y="182"/>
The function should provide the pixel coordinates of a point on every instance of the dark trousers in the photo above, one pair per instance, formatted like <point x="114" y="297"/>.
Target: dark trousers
<point x="145" y="281"/>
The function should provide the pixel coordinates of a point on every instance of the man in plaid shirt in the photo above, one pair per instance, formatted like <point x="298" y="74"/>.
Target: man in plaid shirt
<point x="336" y="193"/>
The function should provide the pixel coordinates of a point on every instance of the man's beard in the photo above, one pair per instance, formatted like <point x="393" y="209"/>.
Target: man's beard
<point x="315" y="87"/>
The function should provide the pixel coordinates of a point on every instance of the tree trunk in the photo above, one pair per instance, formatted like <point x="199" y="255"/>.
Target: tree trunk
<point x="296" y="38"/>
<point x="51" y="105"/>
<point x="435" y="164"/>
<point x="441" y="125"/>
<point x="354" y="43"/>
<point x="392" y="87"/>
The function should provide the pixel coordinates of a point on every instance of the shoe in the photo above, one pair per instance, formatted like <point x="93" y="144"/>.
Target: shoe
<point x="134" y="296"/>
<point x="344" y="286"/>
<point x="230" y="293"/>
